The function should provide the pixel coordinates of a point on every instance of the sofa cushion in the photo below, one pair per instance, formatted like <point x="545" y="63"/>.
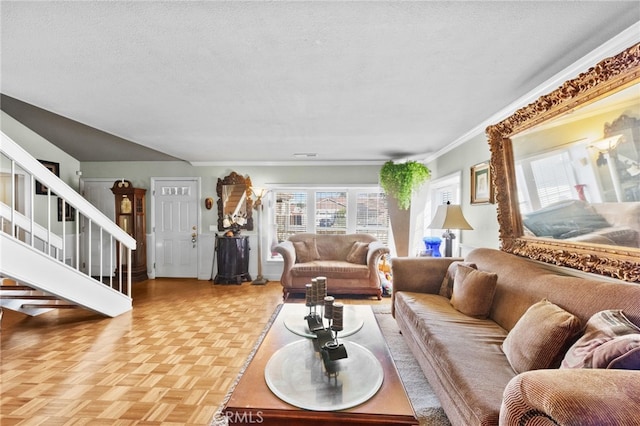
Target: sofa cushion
<point x="602" y="327"/>
<point x="473" y="291"/>
<point x="462" y="352"/>
<point x="446" y="288"/>
<point x="622" y="352"/>
<point x="330" y="269"/>
<point x="358" y="253"/>
<point x="306" y="250"/>
<point x="540" y="336"/>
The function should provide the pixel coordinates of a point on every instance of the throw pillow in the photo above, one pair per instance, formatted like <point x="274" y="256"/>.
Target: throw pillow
<point x="473" y="291"/>
<point x="358" y="253"/>
<point x="602" y="327"/>
<point x="306" y="251"/>
<point x="622" y="352"/>
<point x="446" y="288"/>
<point x="540" y="337"/>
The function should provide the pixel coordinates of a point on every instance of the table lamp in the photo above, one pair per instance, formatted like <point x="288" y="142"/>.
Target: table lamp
<point x="449" y="216"/>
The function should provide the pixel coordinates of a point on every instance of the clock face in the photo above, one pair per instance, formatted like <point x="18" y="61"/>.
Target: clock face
<point x="125" y="205"/>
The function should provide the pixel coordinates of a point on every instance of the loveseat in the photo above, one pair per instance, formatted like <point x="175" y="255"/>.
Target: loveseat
<point x="349" y="262"/>
<point x="510" y="357"/>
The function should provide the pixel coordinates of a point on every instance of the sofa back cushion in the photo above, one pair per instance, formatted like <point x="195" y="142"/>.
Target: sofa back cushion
<point x="358" y="253"/>
<point x="446" y="288"/>
<point x="331" y="246"/>
<point x="622" y="352"/>
<point x="540" y="337"/>
<point x="595" y="348"/>
<point x="522" y="282"/>
<point x="306" y="251"/>
<point x="473" y="291"/>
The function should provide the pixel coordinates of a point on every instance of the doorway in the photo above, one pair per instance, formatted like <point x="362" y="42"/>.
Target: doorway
<point x="176" y="226"/>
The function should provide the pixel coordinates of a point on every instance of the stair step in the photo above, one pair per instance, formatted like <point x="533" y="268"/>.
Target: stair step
<point x="28" y="296"/>
<point x="49" y="306"/>
<point x="15" y="288"/>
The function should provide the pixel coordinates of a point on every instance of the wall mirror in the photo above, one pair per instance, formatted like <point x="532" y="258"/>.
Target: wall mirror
<point x="566" y="172"/>
<point x="234" y="202"/>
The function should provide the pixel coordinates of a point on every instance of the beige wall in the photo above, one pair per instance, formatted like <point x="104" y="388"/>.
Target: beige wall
<point x="482" y="217"/>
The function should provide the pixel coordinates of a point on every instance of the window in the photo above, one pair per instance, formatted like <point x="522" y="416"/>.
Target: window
<point x="372" y="215"/>
<point x="330" y="211"/>
<point x="290" y="213"/>
<point x="544" y="180"/>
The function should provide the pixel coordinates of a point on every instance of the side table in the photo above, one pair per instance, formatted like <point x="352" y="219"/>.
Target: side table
<point x="232" y="256"/>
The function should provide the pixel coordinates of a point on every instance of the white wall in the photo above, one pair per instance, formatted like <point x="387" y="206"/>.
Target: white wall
<point x="140" y="174"/>
<point x="42" y="149"/>
<point x="482" y="217"/>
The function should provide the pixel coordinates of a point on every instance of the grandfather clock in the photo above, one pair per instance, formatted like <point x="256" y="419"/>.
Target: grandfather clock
<point x="131" y="217"/>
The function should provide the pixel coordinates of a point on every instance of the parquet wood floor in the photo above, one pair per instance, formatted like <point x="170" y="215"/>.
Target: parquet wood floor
<point x="170" y="361"/>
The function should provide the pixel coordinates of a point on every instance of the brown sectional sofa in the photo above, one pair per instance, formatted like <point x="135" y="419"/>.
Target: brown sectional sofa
<point x="350" y="263"/>
<point x="463" y="360"/>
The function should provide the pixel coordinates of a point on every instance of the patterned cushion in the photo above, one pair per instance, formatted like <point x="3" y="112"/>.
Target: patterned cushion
<point x="306" y="251"/>
<point x="601" y="328"/>
<point x="446" y="288"/>
<point x="358" y="253"/>
<point x="539" y="337"/>
<point x="473" y="291"/>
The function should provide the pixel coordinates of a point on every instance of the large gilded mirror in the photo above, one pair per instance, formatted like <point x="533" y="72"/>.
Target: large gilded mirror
<point x="234" y="202"/>
<point x="566" y="172"/>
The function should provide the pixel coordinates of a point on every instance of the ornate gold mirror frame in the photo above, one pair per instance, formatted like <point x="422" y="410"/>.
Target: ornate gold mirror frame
<point x="234" y="188"/>
<point x="608" y="76"/>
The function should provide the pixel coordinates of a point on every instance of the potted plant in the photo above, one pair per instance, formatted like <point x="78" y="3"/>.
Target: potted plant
<point x="399" y="180"/>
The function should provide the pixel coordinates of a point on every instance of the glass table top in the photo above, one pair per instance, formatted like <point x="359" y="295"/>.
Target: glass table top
<point x="297" y="374"/>
<point x="296" y="322"/>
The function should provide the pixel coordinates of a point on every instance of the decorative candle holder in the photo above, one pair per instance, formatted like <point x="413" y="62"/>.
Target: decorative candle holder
<point x="333" y="350"/>
<point x="314" y="321"/>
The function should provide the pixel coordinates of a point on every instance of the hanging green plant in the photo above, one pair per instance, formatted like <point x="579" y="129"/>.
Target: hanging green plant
<point x="399" y="180"/>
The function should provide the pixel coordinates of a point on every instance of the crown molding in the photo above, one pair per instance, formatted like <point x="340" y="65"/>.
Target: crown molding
<point x="296" y="163"/>
<point x="617" y="44"/>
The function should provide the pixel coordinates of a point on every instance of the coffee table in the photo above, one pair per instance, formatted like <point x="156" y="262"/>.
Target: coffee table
<point x="252" y="401"/>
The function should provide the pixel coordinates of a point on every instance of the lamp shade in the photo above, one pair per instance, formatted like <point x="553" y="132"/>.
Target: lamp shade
<point x="449" y="216"/>
<point x="607" y="144"/>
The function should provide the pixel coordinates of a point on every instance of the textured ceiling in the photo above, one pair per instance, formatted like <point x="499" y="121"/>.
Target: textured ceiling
<point x="261" y="81"/>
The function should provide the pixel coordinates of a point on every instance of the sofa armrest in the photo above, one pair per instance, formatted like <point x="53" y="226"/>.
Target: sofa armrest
<point x="288" y="252"/>
<point x="376" y="250"/>
<point x="572" y="397"/>
<point x="418" y="274"/>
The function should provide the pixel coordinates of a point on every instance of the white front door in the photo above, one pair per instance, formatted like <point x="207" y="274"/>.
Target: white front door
<point x="98" y="192"/>
<point x="175" y="203"/>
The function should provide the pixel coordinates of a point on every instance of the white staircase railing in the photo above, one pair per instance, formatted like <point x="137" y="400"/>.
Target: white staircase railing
<point x="32" y="222"/>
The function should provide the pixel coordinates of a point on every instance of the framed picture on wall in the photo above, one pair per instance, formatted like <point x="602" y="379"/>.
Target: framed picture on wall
<point x="53" y="168"/>
<point x="481" y="187"/>
<point x="69" y="212"/>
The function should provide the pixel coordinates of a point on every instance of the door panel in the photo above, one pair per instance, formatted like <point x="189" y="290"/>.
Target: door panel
<point x="176" y="221"/>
